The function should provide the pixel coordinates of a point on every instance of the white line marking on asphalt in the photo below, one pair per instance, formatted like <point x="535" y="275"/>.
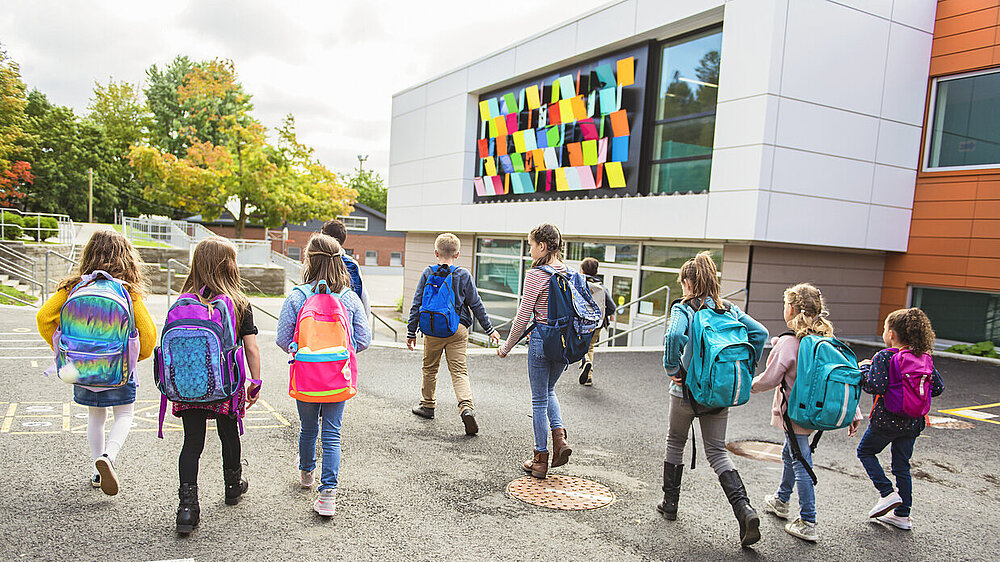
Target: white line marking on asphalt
<point x="35" y="340"/>
<point x="27" y="357"/>
<point x="34" y="364"/>
<point x="975" y="414"/>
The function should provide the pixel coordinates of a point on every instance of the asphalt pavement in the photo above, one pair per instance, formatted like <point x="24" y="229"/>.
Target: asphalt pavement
<point x="415" y="489"/>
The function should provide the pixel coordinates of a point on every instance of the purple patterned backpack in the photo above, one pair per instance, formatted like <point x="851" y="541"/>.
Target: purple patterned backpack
<point x="199" y="359"/>
<point x="910" y="377"/>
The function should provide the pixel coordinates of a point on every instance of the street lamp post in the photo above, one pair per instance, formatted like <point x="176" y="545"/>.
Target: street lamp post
<point x="361" y="162"/>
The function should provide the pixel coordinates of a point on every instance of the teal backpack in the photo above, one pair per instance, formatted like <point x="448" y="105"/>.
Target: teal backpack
<point x="826" y="391"/>
<point x="722" y="359"/>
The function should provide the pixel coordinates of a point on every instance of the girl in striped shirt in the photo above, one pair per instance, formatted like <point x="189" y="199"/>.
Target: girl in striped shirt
<point x="546" y="249"/>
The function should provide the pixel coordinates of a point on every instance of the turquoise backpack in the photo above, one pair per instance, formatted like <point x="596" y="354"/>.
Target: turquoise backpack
<point x="722" y="359"/>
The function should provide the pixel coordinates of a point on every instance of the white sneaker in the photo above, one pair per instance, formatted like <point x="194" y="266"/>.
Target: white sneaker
<point x="802" y="529"/>
<point x="95" y="480"/>
<point x="886" y="504"/>
<point x="773" y="505"/>
<point x="306" y="479"/>
<point x="109" y="479"/>
<point x="904" y="523"/>
<point x="326" y="502"/>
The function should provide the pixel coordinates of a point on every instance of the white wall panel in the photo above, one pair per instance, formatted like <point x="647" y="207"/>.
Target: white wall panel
<point x="834" y="56"/>
<point x="488" y="72"/>
<point x="898" y="144"/>
<point x="554" y="46"/>
<point x="888" y="228"/>
<point x="826" y="130"/>
<point x="801" y="219"/>
<point x="448" y="85"/>
<point x="406" y="138"/>
<point x="667" y="216"/>
<point x="481" y="218"/>
<point x="735" y="215"/>
<point x="406" y="173"/>
<point x="613" y="23"/>
<point x="741" y="168"/>
<point x="915" y="13"/>
<point x="822" y="175"/>
<point x="409" y="100"/>
<point x="906" y="74"/>
<point x="446" y="167"/>
<point x="893" y="186"/>
<point x="445" y="129"/>
<point x="593" y="217"/>
<point x="753" y="35"/>
<point x="651" y="14"/>
<point x="746" y="121"/>
<point x="880" y="8"/>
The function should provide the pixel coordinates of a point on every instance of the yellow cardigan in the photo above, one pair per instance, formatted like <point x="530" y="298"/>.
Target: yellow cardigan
<point x="48" y="321"/>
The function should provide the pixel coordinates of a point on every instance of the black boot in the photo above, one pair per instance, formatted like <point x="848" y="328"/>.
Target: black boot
<point x="188" y="510"/>
<point x="236" y="486"/>
<point x="671" y="490"/>
<point x="745" y="514"/>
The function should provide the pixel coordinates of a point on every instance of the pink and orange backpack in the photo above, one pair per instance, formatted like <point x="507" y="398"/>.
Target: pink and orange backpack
<point x="324" y="366"/>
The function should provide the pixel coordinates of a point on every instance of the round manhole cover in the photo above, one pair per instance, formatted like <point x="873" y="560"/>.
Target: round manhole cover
<point x="561" y="492"/>
<point x="941" y="422"/>
<point x="756" y="450"/>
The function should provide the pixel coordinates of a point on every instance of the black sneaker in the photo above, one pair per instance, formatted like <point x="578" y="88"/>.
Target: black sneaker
<point x="469" y="419"/>
<point x="585" y="373"/>
<point x="423" y="412"/>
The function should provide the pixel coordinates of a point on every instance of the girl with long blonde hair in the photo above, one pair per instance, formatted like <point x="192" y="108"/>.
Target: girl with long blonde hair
<point x="324" y="263"/>
<point x="111" y="252"/>
<point x="214" y="272"/>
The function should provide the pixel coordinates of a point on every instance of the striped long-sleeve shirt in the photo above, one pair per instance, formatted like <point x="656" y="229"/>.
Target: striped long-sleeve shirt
<point x="534" y="300"/>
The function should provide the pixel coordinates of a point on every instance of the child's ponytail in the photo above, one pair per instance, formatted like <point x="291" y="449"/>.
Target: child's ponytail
<point x="703" y="277"/>
<point x="811" y="316"/>
<point x="913" y="328"/>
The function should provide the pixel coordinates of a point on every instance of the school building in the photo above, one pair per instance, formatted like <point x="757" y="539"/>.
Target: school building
<point x="784" y="135"/>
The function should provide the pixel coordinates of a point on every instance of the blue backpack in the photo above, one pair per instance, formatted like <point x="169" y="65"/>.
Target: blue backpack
<point x="438" y="314"/>
<point x="573" y="315"/>
<point x="826" y="391"/>
<point x="354" y="271"/>
<point x="722" y="359"/>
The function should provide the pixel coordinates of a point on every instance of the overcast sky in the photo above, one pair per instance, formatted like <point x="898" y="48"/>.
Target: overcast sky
<point x="333" y="64"/>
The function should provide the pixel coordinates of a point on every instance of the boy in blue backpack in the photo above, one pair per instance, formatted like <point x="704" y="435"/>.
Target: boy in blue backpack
<point x="338" y="231"/>
<point x="805" y="314"/>
<point x="443" y="306"/>
<point x="907" y="332"/>
<point x="700" y="283"/>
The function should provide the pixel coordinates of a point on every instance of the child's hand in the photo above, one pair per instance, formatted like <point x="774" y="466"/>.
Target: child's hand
<point x="500" y="351"/>
<point x="852" y="429"/>
<point x="253" y="393"/>
<point x="678" y="379"/>
<point x="865" y="362"/>
<point x="495" y="338"/>
<point x="410" y="342"/>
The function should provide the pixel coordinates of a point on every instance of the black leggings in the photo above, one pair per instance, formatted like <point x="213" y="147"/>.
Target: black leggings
<point x="194" y="443"/>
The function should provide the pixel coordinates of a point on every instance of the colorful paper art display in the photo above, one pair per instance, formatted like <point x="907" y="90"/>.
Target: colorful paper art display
<point x="566" y="133"/>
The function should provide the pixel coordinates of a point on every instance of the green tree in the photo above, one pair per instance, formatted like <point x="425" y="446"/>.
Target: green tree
<point x="15" y="171"/>
<point x="119" y="109"/>
<point x="370" y="187"/>
<point x="62" y="149"/>
<point x="229" y="160"/>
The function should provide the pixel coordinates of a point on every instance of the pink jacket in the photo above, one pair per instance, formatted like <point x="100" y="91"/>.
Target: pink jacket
<point x="781" y="366"/>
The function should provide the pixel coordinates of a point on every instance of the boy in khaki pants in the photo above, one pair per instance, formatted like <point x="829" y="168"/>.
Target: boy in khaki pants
<point x="465" y="297"/>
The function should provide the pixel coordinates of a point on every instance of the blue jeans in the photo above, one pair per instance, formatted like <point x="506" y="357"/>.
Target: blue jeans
<point x="874" y="442"/>
<point x="542" y="376"/>
<point x="332" y="415"/>
<point x="795" y="474"/>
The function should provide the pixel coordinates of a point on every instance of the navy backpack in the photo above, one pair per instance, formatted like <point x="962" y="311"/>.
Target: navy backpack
<point x="572" y="317"/>
<point x="354" y="271"/>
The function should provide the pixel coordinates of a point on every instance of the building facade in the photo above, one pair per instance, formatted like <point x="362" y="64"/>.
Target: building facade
<point x="781" y="134"/>
<point x="951" y="268"/>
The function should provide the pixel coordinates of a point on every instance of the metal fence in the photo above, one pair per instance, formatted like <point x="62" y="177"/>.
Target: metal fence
<point x="184" y="235"/>
<point x="31" y="225"/>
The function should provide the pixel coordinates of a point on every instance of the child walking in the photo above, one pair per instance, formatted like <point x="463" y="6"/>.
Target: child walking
<point x="903" y="379"/>
<point x="336" y="229"/>
<point x="546" y="246"/>
<point x="107" y="251"/>
<point x="458" y="298"/>
<point x="700" y="283"/>
<point x="213" y="273"/>
<point x="324" y="264"/>
<point x="805" y="314"/>
<point x="607" y="305"/>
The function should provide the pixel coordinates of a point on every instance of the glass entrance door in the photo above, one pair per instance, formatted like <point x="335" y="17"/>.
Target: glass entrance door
<point x="621" y="282"/>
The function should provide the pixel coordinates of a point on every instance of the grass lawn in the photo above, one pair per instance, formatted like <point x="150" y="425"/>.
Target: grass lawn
<point x="145" y="243"/>
<point x="5" y="290"/>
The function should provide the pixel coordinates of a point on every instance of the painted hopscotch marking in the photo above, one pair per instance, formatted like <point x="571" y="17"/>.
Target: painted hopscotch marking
<point x="975" y="413"/>
<point x="62" y="417"/>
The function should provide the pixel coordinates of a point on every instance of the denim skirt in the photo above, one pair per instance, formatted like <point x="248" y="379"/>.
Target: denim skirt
<point x="120" y="396"/>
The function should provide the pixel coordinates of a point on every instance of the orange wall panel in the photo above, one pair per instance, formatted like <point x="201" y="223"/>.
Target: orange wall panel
<point x="945" y="191"/>
<point x="946" y="228"/>
<point x="951" y="8"/>
<point x="967" y="22"/>
<point x="969" y="41"/>
<point x="944" y="209"/>
<point x="938" y="246"/>
<point x="986" y="229"/>
<point x="988" y="189"/>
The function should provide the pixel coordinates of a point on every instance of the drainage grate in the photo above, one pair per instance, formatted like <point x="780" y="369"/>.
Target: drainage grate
<point x="561" y="492"/>
<point x="941" y="422"/>
<point x="756" y="450"/>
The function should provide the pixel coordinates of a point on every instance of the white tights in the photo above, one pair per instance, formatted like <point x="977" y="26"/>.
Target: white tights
<point x="116" y="437"/>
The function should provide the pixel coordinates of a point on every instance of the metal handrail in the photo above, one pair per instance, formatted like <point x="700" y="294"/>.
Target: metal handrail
<point x="12" y="297"/>
<point x="170" y="277"/>
<point x="643" y="297"/>
<point x="395" y="335"/>
<point x="62" y="220"/>
<point x="8" y="263"/>
<point x="47" y="278"/>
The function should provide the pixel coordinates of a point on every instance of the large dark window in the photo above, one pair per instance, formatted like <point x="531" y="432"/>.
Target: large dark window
<point x="964" y="316"/>
<point x="965" y="130"/>
<point x="685" y="114"/>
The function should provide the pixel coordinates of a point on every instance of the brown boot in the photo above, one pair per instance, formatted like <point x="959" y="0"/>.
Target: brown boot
<point x="560" y="448"/>
<point x="538" y="465"/>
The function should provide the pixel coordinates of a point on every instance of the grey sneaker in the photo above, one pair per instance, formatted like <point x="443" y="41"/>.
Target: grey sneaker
<point x="773" y="505"/>
<point x="306" y="479"/>
<point x="109" y="479"/>
<point x="802" y="529"/>
<point x="326" y="502"/>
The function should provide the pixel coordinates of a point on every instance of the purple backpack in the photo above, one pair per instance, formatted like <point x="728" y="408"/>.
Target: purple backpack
<point x="199" y="359"/>
<point x="910" y="378"/>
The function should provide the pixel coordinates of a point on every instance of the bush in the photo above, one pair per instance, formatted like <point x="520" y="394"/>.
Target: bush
<point x="49" y="227"/>
<point x="981" y="349"/>
<point x="11" y="225"/>
<point x="399" y="304"/>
